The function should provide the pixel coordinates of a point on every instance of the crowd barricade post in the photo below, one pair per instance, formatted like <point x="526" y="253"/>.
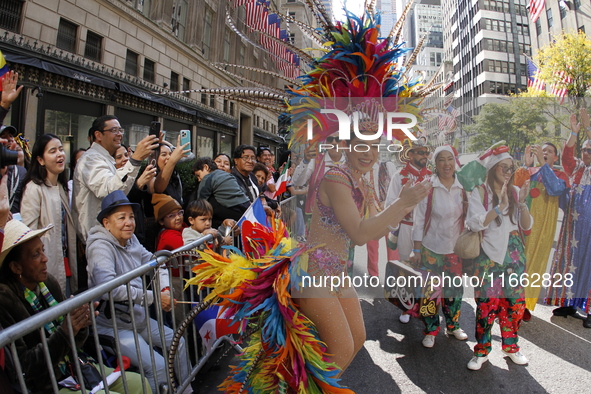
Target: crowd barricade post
<point x="184" y="254"/>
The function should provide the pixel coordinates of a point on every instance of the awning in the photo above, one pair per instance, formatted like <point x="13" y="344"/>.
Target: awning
<point x="155" y="98"/>
<point x="268" y="136"/>
<point x="56" y="69"/>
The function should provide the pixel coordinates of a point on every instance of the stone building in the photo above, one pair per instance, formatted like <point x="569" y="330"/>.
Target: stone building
<point x="80" y="59"/>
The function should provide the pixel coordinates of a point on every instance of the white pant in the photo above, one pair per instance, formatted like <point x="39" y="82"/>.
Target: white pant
<point x="128" y="349"/>
<point x="405" y="243"/>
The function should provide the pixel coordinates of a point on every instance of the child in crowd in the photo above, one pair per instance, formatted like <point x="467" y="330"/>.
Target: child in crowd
<point x="200" y="214"/>
<point x="169" y="214"/>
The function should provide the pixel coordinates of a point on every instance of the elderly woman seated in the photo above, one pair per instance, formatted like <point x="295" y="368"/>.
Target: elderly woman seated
<point x="26" y="289"/>
<point x="112" y="250"/>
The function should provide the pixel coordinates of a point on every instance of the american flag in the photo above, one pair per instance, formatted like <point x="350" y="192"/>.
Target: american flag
<point x="532" y="77"/>
<point x="535" y="9"/>
<point x="560" y="89"/>
<point x="442" y="122"/>
<point x="453" y="111"/>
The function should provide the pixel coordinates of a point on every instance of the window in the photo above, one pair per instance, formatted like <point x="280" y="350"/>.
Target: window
<point x="66" y="36"/>
<point x="538" y="27"/>
<point x="131" y="63"/>
<point x="292" y="38"/>
<point x="206" y="41"/>
<point x="227" y="46"/>
<point x="577" y="4"/>
<point x="212" y="100"/>
<point x="10" y="14"/>
<point x="94" y="46"/>
<point x="174" y="81"/>
<point x="231" y="108"/>
<point x="225" y="106"/>
<point x="149" y="70"/>
<point x="187" y="86"/>
<point x="549" y="16"/>
<point x="562" y="11"/>
<point x="203" y="96"/>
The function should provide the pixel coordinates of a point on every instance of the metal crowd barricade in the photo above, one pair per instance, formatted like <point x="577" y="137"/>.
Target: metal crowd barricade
<point x="184" y="255"/>
<point x="293" y="217"/>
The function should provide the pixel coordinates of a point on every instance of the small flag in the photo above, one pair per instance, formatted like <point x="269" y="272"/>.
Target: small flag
<point x="453" y="111"/>
<point x="212" y="324"/>
<point x="3" y="68"/>
<point x="255" y="213"/>
<point x="282" y="181"/>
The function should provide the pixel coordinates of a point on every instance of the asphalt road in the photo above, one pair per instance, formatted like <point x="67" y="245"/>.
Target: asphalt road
<point x="394" y="361"/>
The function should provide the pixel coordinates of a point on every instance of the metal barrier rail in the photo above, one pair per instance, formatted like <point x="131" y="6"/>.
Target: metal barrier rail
<point x="293" y="217"/>
<point x="9" y="335"/>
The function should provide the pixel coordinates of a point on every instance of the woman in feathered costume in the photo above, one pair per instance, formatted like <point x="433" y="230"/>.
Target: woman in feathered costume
<point x="306" y="336"/>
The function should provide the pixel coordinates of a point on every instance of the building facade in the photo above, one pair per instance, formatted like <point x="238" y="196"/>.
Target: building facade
<point x="138" y="60"/>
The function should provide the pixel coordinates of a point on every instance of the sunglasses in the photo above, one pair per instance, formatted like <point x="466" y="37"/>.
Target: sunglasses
<point x="421" y="152"/>
<point x="586" y="150"/>
<point x="331" y="139"/>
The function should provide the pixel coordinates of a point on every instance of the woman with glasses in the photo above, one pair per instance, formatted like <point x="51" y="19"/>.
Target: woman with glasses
<point x="498" y="210"/>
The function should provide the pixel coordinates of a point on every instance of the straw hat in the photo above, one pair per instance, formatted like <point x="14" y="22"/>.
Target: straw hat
<point x="16" y="233"/>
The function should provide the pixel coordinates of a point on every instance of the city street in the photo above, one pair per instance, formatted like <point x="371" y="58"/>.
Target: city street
<point x="394" y="361"/>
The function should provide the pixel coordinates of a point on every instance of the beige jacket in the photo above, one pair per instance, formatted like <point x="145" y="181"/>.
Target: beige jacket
<point x="40" y="206"/>
<point x="95" y="176"/>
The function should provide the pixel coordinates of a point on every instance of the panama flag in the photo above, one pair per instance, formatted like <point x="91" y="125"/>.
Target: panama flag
<point x="3" y="68"/>
<point x="282" y="181"/>
<point x="213" y="324"/>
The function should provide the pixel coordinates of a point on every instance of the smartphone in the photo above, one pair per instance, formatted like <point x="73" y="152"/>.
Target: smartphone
<point x="155" y="128"/>
<point x="186" y="137"/>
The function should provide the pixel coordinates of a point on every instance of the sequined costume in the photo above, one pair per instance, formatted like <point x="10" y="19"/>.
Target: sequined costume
<point x="546" y="187"/>
<point x="573" y="252"/>
<point x="334" y="254"/>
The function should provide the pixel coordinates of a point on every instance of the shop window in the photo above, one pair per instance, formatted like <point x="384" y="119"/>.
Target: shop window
<point x="149" y="70"/>
<point x="174" y="81"/>
<point x="131" y="63"/>
<point x="66" y="36"/>
<point x="10" y="14"/>
<point x="94" y="46"/>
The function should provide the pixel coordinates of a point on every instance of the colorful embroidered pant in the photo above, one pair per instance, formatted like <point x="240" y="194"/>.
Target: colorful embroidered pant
<point x="497" y="298"/>
<point x="451" y="302"/>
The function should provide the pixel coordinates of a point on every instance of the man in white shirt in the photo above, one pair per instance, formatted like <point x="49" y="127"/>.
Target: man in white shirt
<point x="415" y="154"/>
<point x="95" y="175"/>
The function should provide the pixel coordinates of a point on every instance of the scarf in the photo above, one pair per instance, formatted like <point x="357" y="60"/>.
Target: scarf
<point x="411" y="170"/>
<point x="36" y="305"/>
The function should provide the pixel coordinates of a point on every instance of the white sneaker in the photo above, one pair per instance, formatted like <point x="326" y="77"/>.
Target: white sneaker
<point x="429" y="341"/>
<point x="476" y="362"/>
<point x="404" y="318"/>
<point x="517" y="357"/>
<point x="459" y="334"/>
